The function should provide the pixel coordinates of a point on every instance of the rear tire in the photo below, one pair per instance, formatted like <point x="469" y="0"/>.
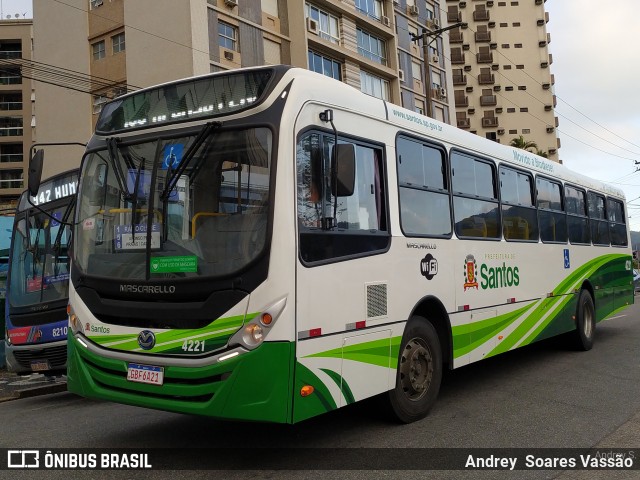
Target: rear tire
<point x="585" y="322"/>
<point x="419" y="372"/>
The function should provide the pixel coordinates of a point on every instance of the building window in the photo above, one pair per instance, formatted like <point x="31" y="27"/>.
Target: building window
<point x="270" y="7"/>
<point x="324" y="65"/>
<point x="227" y="36"/>
<point x="371" y="47"/>
<point x="12" y="179"/>
<point x="98" y="102"/>
<point x="272" y="54"/>
<point x="98" y="50"/>
<point x="524" y="109"/>
<point x="516" y="24"/>
<point x="373" y="8"/>
<point x="117" y="41"/>
<point x="517" y="45"/>
<point x="511" y="110"/>
<point x="522" y="87"/>
<point x="520" y="67"/>
<point x="436" y="79"/>
<point x="526" y="131"/>
<point x="11" y="126"/>
<point x="416" y="70"/>
<point x="508" y="89"/>
<point x="373" y="85"/>
<point x="506" y="67"/>
<point x="419" y="107"/>
<point x="327" y="23"/>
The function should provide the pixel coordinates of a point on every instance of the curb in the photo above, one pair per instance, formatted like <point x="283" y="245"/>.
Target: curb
<point x="35" y="391"/>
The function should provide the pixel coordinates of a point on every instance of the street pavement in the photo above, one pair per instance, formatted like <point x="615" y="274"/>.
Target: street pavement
<point x="13" y="387"/>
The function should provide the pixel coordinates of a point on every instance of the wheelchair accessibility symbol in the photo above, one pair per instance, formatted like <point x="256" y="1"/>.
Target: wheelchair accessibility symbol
<point x="172" y="156"/>
<point x="567" y="261"/>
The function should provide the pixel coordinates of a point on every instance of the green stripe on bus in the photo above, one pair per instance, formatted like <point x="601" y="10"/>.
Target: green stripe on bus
<point x="342" y="384"/>
<point x="383" y="353"/>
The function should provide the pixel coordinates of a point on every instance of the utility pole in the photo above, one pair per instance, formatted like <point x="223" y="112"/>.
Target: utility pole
<point x="427" y="37"/>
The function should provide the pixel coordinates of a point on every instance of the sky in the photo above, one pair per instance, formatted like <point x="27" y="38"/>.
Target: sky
<point x="13" y="7"/>
<point x="597" y="68"/>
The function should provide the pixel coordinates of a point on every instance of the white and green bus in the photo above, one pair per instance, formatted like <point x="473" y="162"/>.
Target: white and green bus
<point x="270" y="244"/>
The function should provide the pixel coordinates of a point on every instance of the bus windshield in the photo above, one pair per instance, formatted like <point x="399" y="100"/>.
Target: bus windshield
<point x="181" y="207"/>
<point x="39" y="262"/>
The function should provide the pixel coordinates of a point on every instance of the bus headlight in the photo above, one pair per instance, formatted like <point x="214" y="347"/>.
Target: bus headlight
<point x="254" y="332"/>
<point x="74" y="322"/>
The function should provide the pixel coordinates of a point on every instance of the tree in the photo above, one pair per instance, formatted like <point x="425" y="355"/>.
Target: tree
<point x="520" y="142"/>
<point x="542" y="153"/>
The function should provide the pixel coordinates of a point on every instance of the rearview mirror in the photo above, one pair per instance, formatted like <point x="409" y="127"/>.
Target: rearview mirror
<point x="343" y="170"/>
<point x="35" y="172"/>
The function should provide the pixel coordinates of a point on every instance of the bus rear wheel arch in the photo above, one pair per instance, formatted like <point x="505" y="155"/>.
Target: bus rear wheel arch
<point x="419" y="372"/>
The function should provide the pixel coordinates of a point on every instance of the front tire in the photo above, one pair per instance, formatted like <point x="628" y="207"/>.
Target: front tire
<point x="419" y="372"/>
<point x="585" y="322"/>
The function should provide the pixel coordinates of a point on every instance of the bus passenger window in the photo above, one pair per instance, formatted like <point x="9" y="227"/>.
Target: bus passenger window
<point x="424" y="191"/>
<point x="333" y="227"/>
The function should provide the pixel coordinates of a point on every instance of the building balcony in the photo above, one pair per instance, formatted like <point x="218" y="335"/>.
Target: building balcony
<point x="488" y="100"/>
<point x="10" y="54"/>
<point x="484" y="57"/>
<point x="463" y="123"/>
<point x="10" y="105"/>
<point x="457" y="58"/>
<point x="486" y="79"/>
<point x="481" y="15"/>
<point x="462" y="101"/>
<point x="11" y="157"/>
<point x="459" y="79"/>
<point x="489" y="122"/>
<point x="483" y="36"/>
<point x="10" y="80"/>
<point x="456" y="37"/>
<point x="454" y="17"/>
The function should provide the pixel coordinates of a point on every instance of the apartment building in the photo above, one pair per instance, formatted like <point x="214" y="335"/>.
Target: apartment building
<point x="126" y="44"/>
<point x="16" y="110"/>
<point x="502" y="84"/>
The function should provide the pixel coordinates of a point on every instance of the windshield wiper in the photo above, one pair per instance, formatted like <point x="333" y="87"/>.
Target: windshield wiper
<point x="134" y="200"/>
<point x="187" y="157"/>
<point x="57" y="243"/>
<point x="112" y="148"/>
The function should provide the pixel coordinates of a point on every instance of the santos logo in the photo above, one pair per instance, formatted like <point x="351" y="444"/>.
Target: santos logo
<point x="499" y="277"/>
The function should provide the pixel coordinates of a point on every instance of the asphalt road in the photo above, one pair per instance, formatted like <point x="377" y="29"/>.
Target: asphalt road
<point x="542" y="396"/>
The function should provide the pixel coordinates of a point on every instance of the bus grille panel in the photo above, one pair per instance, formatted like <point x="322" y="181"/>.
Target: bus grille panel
<point x="56" y="356"/>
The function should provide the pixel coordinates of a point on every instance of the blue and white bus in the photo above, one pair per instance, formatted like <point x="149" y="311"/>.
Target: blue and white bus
<point x="38" y="278"/>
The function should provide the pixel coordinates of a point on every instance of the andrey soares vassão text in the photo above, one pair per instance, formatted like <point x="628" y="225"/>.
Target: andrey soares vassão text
<point x="613" y="460"/>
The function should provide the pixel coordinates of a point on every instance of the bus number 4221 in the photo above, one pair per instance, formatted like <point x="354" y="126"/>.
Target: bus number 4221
<point x="193" y="346"/>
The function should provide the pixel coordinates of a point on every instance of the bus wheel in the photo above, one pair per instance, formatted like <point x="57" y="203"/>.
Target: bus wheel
<point x="419" y="372"/>
<point x="585" y="322"/>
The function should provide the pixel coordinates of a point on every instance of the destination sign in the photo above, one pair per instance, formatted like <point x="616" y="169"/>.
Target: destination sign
<point x="198" y="98"/>
<point x="52" y="190"/>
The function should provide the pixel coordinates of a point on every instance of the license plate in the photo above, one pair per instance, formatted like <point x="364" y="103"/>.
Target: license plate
<point x="145" y="374"/>
<point x="40" y="365"/>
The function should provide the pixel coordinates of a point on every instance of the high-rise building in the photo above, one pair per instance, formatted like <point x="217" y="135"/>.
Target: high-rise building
<point x="126" y="44"/>
<point x="503" y="88"/>
<point x="16" y="110"/>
